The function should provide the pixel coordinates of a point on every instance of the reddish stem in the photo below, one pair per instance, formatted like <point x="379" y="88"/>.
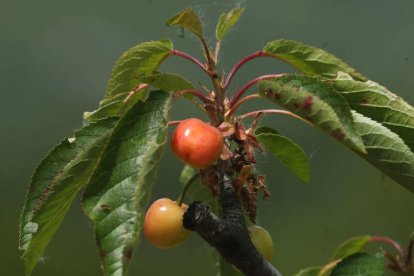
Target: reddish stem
<point x="196" y="93"/>
<point x="189" y="57"/>
<point x="207" y="51"/>
<point x="173" y="123"/>
<point x="273" y="111"/>
<point x="239" y="93"/>
<point x="391" y="242"/>
<point x="237" y="105"/>
<point x="241" y="63"/>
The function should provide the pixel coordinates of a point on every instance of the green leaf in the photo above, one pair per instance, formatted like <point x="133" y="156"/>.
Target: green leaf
<point x="168" y="82"/>
<point x="351" y="246"/>
<point x="386" y="151"/>
<point x="309" y="271"/>
<point x="317" y="102"/>
<point x="265" y="129"/>
<point x="186" y="174"/>
<point x="139" y="60"/>
<point x="54" y="186"/>
<point x="360" y="264"/>
<point x="376" y="102"/>
<point x="189" y="20"/>
<point x="116" y="106"/>
<point x="287" y="151"/>
<point x="308" y="59"/>
<point x="120" y="186"/>
<point x="226" y="21"/>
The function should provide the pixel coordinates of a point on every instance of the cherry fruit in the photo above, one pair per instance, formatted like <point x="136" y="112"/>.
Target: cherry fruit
<point x="163" y="225"/>
<point x="262" y="240"/>
<point x="197" y="143"/>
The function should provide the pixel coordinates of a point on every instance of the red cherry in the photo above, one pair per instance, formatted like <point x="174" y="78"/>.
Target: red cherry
<point x="197" y="143"/>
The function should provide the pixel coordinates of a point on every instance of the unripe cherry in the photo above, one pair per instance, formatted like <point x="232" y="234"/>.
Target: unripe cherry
<point x="262" y="240"/>
<point x="163" y="225"/>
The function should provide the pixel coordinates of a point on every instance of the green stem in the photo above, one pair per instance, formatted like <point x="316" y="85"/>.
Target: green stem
<point x="217" y="50"/>
<point x="187" y="185"/>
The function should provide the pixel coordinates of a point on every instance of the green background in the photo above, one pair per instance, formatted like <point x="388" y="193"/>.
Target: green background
<point x="55" y="58"/>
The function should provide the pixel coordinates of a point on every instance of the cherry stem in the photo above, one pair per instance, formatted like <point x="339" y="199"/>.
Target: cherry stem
<point x="207" y="51"/>
<point x="242" y="62"/>
<point x="273" y="111"/>
<point x="240" y="102"/>
<point x="187" y="185"/>
<point x="194" y="92"/>
<point x="174" y="123"/>
<point x="389" y="241"/>
<point x="239" y="93"/>
<point x="189" y="57"/>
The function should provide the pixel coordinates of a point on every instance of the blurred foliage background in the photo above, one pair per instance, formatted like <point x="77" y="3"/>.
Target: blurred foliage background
<point x="56" y="56"/>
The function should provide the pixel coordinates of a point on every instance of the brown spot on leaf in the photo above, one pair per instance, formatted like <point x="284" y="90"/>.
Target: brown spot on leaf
<point x="127" y="253"/>
<point x="276" y="96"/>
<point x="268" y="92"/>
<point x="339" y="134"/>
<point x="307" y="104"/>
<point x="365" y="101"/>
<point x="104" y="207"/>
<point x="45" y="192"/>
<point x="101" y="253"/>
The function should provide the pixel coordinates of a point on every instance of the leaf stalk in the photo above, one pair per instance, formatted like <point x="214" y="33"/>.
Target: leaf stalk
<point x="241" y="63"/>
<point x="189" y="57"/>
<point x="273" y="111"/>
<point x="240" y="93"/>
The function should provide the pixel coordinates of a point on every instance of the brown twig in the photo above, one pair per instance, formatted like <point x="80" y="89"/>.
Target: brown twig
<point x="229" y="234"/>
